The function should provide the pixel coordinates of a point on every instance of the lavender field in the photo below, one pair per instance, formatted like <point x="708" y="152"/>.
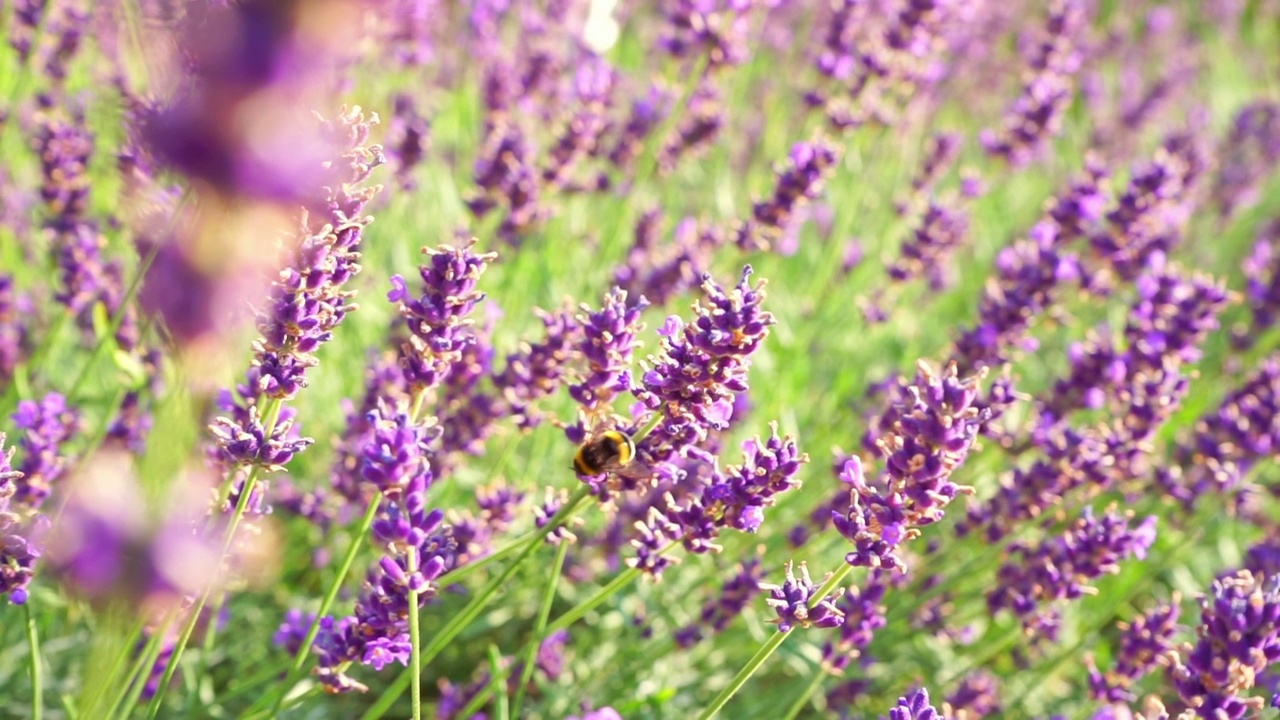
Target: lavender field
<point x="608" y="360"/>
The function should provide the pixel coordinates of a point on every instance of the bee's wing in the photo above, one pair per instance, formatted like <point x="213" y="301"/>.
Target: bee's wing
<point x="635" y="470"/>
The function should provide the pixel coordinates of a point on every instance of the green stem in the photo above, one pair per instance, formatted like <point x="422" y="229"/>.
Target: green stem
<point x="768" y="648"/>
<point x="599" y="596"/>
<point x="648" y="428"/>
<point x="473" y="609"/>
<point x="228" y="537"/>
<point x="138" y="675"/>
<point x="330" y="597"/>
<point x="540" y="627"/>
<point x="814" y="683"/>
<point x="415" y="644"/>
<point x="480" y="700"/>
<point x="745" y="673"/>
<point x="497" y="678"/>
<point x="37" y="675"/>
<point x="114" y="669"/>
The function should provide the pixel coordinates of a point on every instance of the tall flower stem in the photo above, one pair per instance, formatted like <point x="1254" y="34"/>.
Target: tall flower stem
<point x="194" y="617"/>
<point x="477" y="605"/>
<point x="767" y="649"/>
<point x="540" y="627"/>
<point x="330" y="597"/>
<point x="415" y="644"/>
<point x="90" y="708"/>
<point x="37" y="674"/>
<point x="138" y="674"/>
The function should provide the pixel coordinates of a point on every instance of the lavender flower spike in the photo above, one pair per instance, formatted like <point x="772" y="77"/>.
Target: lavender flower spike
<point x="1239" y="637"/>
<point x="437" y="318"/>
<point x="915" y="706"/>
<point x="929" y="437"/>
<point x="792" y="601"/>
<point x="18" y="554"/>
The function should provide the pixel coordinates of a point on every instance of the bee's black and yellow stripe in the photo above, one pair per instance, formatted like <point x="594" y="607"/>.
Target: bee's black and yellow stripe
<point x="607" y="451"/>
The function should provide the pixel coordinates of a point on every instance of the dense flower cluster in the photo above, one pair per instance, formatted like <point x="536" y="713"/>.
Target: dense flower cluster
<point x="18" y="549"/>
<point x="536" y="370"/>
<point x="607" y="346"/>
<point x="929" y="437"/>
<point x="703" y="365"/>
<point x="46" y="426"/>
<point x="437" y="319"/>
<point x="395" y="467"/>
<point x="1250" y="152"/>
<point x="1058" y="568"/>
<point x="940" y="231"/>
<point x="1229" y="440"/>
<point x="1036" y="116"/>
<point x="1144" y="643"/>
<point x="1151" y="214"/>
<point x="1238" y="638"/>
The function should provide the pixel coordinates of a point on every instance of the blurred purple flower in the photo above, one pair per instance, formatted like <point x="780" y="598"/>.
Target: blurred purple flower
<point x="734" y="596"/>
<point x="20" y="529"/>
<point x="536" y="370"/>
<point x="237" y="121"/>
<point x="1056" y="569"/>
<point x="798" y="182"/>
<point x="1144" y="644"/>
<point x="941" y="231"/>
<point x="1036" y="116"/>
<point x="46" y="426"/>
<point x="1249" y="153"/>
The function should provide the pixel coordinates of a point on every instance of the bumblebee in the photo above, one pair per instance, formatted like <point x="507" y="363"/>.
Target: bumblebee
<point x="604" y="452"/>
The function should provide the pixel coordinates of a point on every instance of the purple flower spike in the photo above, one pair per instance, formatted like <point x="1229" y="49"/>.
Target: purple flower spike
<point x="1036" y="116"/>
<point x="395" y="454"/>
<point x="437" y="319"/>
<point x="1150" y="216"/>
<point x="18" y="524"/>
<point x="794" y="602"/>
<point x="1144" y="643"/>
<point x="928" y="436"/>
<point x="609" y="341"/>
<point x="293" y="630"/>
<point x="46" y="426"/>
<point x="703" y="363"/>
<point x="1229" y="440"/>
<point x="915" y="706"/>
<point x="243" y="441"/>
<point x="536" y="370"/>
<point x="15" y="340"/>
<point x="1238" y="638"/>
<point x="1057" y="569"/>
<point x="798" y="182"/>
<point x="1250" y="153"/>
<point x="716" y="28"/>
<point x="941" y="231"/>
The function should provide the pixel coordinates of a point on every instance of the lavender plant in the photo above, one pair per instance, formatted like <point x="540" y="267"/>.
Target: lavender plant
<point x="996" y="441"/>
